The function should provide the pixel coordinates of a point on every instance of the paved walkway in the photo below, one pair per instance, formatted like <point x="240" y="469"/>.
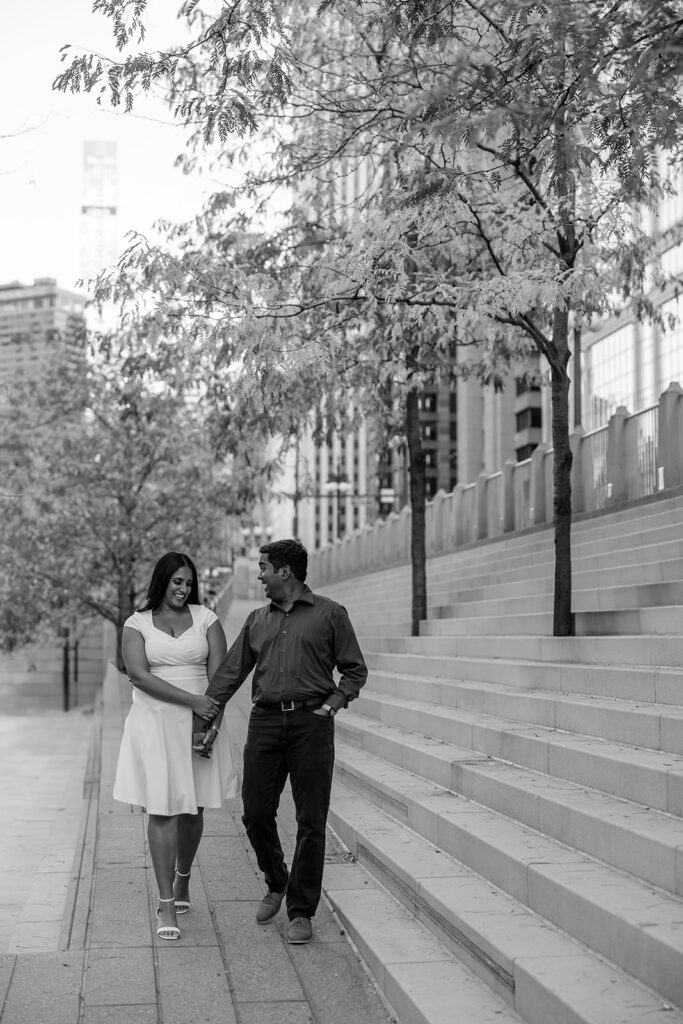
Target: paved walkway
<point x="108" y="967"/>
<point x="44" y="760"/>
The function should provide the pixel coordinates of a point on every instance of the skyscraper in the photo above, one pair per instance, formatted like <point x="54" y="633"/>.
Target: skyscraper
<point x="35" y="318"/>
<point x="99" y="221"/>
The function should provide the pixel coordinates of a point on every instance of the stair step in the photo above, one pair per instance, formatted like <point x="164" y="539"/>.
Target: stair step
<point x="642" y="841"/>
<point x="655" y="650"/>
<point x="665" y="621"/>
<point x="635" y="926"/>
<point x="636" y="722"/>
<point x="418" y="975"/>
<point x="644" y="575"/>
<point x="616" y="598"/>
<point x="541" y="972"/>
<point x="647" y="683"/>
<point x="651" y="777"/>
<point x="521" y="794"/>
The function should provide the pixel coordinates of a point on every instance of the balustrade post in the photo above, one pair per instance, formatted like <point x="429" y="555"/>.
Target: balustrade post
<point x="509" y="495"/>
<point x="437" y="543"/>
<point x="617" y="456"/>
<point x="482" y="517"/>
<point x="457" y="514"/>
<point x="403" y="527"/>
<point x="670" y="448"/>
<point x="578" y="481"/>
<point x="537" y="483"/>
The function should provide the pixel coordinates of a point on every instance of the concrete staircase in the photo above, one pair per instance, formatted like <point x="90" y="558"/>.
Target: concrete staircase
<point x="514" y="801"/>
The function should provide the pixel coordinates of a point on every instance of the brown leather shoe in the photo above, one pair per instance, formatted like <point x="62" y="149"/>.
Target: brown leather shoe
<point x="269" y="907"/>
<point x="300" y="930"/>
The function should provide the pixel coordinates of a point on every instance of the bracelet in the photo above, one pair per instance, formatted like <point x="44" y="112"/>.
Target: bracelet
<point x="212" y="728"/>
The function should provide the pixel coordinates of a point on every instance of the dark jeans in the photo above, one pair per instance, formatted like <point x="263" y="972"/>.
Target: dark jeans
<point x="301" y="745"/>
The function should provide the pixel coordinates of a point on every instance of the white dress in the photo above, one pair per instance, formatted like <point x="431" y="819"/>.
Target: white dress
<point x="156" y="767"/>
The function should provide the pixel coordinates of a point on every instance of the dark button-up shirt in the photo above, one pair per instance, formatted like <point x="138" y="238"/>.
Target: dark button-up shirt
<point x="294" y="655"/>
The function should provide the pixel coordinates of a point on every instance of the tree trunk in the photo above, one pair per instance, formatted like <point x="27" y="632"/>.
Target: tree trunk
<point x="563" y="620"/>
<point x="418" y="537"/>
<point x="126" y="605"/>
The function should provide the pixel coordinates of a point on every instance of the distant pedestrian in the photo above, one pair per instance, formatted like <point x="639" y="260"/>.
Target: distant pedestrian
<point x="170" y="647"/>
<point x="293" y="644"/>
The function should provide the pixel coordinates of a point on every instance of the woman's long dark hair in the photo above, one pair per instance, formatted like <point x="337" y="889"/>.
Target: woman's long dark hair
<point x="162" y="573"/>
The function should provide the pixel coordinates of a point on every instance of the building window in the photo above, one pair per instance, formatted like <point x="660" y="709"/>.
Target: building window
<point x="524" y="384"/>
<point x="528" y="418"/>
<point x="524" y="453"/>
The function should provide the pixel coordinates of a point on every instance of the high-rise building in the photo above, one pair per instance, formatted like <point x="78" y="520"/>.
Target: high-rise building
<point x="34" y="318"/>
<point x="99" y="220"/>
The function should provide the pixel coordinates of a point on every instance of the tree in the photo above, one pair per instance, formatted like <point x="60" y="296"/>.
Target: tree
<point x="538" y="135"/>
<point x="110" y="466"/>
<point x="279" y="278"/>
<point x="509" y="144"/>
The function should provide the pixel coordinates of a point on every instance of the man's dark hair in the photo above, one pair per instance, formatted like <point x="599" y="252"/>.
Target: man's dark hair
<point x="287" y="552"/>
<point x="162" y="573"/>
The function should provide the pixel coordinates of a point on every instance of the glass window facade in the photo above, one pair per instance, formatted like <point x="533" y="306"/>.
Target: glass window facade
<point x="671" y="345"/>
<point x="610" y="376"/>
<point x="671" y="206"/>
<point x="672" y="260"/>
<point x="648" y="393"/>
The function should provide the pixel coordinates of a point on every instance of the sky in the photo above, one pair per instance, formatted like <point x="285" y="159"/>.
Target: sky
<point x="42" y="134"/>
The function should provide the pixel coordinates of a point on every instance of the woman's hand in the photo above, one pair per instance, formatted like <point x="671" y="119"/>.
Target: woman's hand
<point x="210" y="737"/>
<point x="204" y="707"/>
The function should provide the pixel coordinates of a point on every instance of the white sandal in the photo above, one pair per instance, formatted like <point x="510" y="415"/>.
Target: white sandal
<point x="182" y="906"/>
<point x="167" y="931"/>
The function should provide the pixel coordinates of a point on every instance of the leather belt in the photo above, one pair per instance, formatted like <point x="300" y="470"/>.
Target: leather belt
<point x="291" y="705"/>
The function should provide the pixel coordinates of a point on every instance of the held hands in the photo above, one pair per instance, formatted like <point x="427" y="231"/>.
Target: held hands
<point x="204" y="707"/>
<point x="202" y="742"/>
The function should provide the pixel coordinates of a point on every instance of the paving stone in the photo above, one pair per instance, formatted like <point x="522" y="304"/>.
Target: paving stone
<point x="7" y="962"/>
<point x="193" y="987"/>
<point x="116" y="977"/>
<point x="227" y="871"/>
<point x="258" y="963"/>
<point x="44" y="987"/>
<point x="35" y="936"/>
<point x="120" y="915"/>
<point x="121" y="1015"/>
<point x="337" y="987"/>
<point x="276" y="1013"/>
<point x="225" y="821"/>
<point x="122" y="840"/>
<point x="429" y="994"/>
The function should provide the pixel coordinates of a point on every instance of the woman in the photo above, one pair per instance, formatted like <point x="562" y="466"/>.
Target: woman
<point x="170" y="649"/>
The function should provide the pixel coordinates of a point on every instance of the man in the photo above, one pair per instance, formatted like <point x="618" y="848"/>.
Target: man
<point x="293" y="644"/>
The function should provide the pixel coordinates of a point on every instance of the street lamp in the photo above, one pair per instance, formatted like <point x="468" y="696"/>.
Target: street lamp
<point x="338" y="483"/>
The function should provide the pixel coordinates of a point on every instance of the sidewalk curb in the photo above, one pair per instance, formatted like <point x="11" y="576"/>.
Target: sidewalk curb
<point x="79" y="895"/>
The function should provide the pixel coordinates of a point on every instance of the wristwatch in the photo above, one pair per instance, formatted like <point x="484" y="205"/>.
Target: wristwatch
<point x="330" y="710"/>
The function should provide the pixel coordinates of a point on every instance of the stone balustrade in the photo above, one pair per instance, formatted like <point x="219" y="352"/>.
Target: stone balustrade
<point x="634" y="456"/>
